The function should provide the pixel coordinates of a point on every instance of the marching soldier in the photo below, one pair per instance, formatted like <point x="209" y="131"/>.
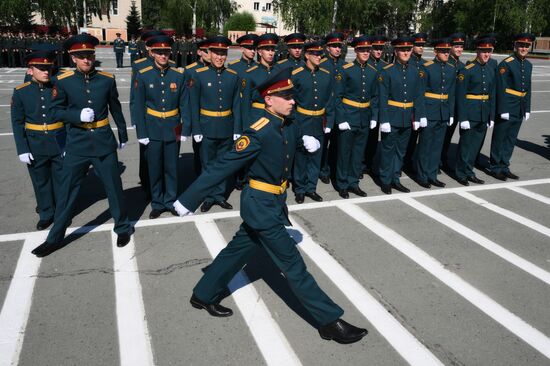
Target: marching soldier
<point x="83" y="99"/>
<point x="439" y="91"/>
<point x="118" y="47"/>
<point x="476" y="87"/>
<point x="356" y="113"/>
<point x="513" y="105"/>
<point x="314" y="87"/>
<point x="39" y="140"/>
<point x="295" y="45"/>
<point x="159" y="101"/>
<point x="215" y="113"/>
<point x="333" y="62"/>
<point x="268" y="147"/>
<point x="401" y="110"/>
<point x="133" y="49"/>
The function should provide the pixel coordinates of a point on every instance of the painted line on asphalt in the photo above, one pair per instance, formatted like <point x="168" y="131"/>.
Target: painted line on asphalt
<point x="17" y="305"/>
<point x="134" y="341"/>
<point x="530" y="194"/>
<point x="112" y="128"/>
<point x="481" y="240"/>
<point x="507" y="319"/>
<point x="9" y="105"/>
<point x="507" y="213"/>
<point x="409" y="347"/>
<point x="269" y="338"/>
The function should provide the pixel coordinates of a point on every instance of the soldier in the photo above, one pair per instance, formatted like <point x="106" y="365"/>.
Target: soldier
<point x="184" y="51"/>
<point x="119" y="47"/>
<point x="457" y="47"/>
<point x="356" y="113"/>
<point x="439" y="90"/>
<point x="268" y="146"/>
<point x="314" y="87"/>
<point x="295" y="44"/>
<point x="133" y="49"/>
<point x="476" y="87"/>
<point x="38" y="139"/>
<point x="159" y="98"/>
<point x="513" y="105"/>
<point x="215" y="113"/>
<point x="401" y="110"/>
<point x="21" y="42"/>
<point x="11" y="49"/>
<point x="83" y="99"/>
<point x="333" y="62"/>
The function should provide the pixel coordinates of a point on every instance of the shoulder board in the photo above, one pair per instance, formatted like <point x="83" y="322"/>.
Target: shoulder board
<point x="348" y="65"/>
<point x="172" y="62"/>
<point x="299" y="69"/>
<point x="388" y="66"/>
<point x="191" y="66"/>
<point x="23" y="85"/>
<point x="105" y="73"/>
<point x="282" y="61"/>
<point x="324" y="70"/>
<point x="234" y="61"/>
<point x="428" y="63"/>
<point x="469" y="66"/>
<point x="145" y="69"/>
<point x="176" y="70"/>
<point x="386" y="62"/>
<point x="509" y="59"/>
<point x="252" y="68"/>
<point x="231" y="71"/>
<point x="372" y="67"/>
<point x="323" y="60"/>
<point x="140" y="60"/>
<point x="259" y="124"/>
<point x="450" y="64"/>
<point x="65" y="75"/>
<point x="202" y="69"/>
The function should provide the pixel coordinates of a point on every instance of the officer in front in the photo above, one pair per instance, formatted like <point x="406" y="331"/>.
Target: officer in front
<point x="118" y="47"/>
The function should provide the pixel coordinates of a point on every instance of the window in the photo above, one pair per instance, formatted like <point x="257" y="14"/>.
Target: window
<point x="256" y="6"/>
<point x="114" y="7"/>
<point x="268" y="6"/>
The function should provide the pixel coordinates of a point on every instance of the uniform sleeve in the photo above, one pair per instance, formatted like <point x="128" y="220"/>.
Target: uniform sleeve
<point x="59" y="110"/>
<point x="383" y="96"/>
<point x="330" y="106"/>
<point x="493" y="97"/>
<point x="195" y="105"/>
<point x="116" y="111"/>
<point x="18" y="124"/>
<point x="529" y="86"/>
<point x="139" y="107"/>
<point x="132" y="92"/>
<point x="185" y="110"/>
<point x="237" y="127"/>
<point x="374" y="100"/>
<point x="501" y="85"/>
<point x="461" y="89"/>
<point x="420" y="99"/>
<point x="184" y="96"/>
<point x="246" y="101"/>
<point x="339" y="91"/>
<point x="452" y="97"/>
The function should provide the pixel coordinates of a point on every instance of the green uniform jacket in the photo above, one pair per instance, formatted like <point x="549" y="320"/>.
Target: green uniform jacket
<point x="241" y="65"/>
<point x="290" y="62"/>
<point x="515" y="74"/>
<point x="118" y="45"/>
<point x="97" y="90"/>
<point x="334" y="66"/>
<point x="476" y="79"/>
<point x="439" y="78"/>
<point x="254" y="76"/>
<point x="378" y="64"/>
<point x="189" y="77"/>
<point x="133" y="47"/>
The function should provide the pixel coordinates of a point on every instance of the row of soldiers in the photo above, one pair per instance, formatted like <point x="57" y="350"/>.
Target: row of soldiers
<point x="15" y="47"/>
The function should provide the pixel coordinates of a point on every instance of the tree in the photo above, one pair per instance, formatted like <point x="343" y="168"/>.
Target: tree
<point x="240" y="22"/>
<point x="17" y="14"/>
<point x="151" y="12"/>
<point x="72" y="13"/>
<point x="133" y="23"/>
<point x="178" y="14"/>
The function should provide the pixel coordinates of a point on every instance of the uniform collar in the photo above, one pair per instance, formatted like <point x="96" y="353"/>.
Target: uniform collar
<point x="315" y="69"/>
<point x="398" y="63"/>
<point x="268" y="68"/>
<point x="359" y="64"/>
<point x="247" y="62"/>
<point x="88" y="75"/>
<point x="417" y="57"/>
<point x="220" y="70"/>
<point x="282" y="119"/>
<point x="374" y="59"/>
<point x="333" y="59"/>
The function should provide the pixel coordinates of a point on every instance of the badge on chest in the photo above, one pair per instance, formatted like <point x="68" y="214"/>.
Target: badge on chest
<point x="173" y="87"/>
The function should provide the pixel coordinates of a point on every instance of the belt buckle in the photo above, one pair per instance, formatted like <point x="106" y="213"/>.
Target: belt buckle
<point x="45" y="127"/>
<point x="163" y="115"/>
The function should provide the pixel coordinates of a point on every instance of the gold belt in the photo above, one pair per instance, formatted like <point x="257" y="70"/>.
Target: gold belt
<point x="515" y="92"/>
<point x="477" y="96"/>
<point x="44" y="127"/>
<point x="400" y="104"/>
<point x="96" y="124"/>
<point x="258" y="105"/>
<point x="436" y="96"/>
<point x="206" y="112"/>
<point x="353" y="103"/>
<point x="172" y="113"/>
<point x="308" y="112"/>
<point x="266" y="187"/>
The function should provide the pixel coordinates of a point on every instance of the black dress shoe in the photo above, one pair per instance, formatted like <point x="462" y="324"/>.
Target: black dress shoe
<point x="500" y="176"/>
<point x="361" y="176"/>
<point x="463" y="181"/>
<point x="400" y="187"/>
<point x="213" y="309"/>
<point x="224" y="204"/>
<point x="123" y="239"/>
<point x="386" y="188"/>
<point x="342" y="332"/>
<point x="45" y="249"/>
<point x="424" y="184"/>
<point x="343" y="193"/>
<point x="358" y="191"/>
<point x="206" y="206"/>
<point x="174" y="212"/>
<point x="476" y="180"/>
<point x="43" y="224"/>
<point x="299" y="197"/>
<point x="155" y="214"/>
<point x="325" y="179"/>
<point x="239" y="185"/>
<point x="314" y="196"/>
<point x="437" y="183"/>
<point x="511" y="175"/>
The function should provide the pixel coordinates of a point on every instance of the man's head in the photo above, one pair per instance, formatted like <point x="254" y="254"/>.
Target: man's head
<point x="160" y="48"/>
<point x="217" y="48"/>
<point x="82" y="50"/>
<point x="313" y="54"/>
<point x="266" y="47"/>
<point x="334" y="42"/>
<point x="118" y="35"/>
<point x="148" y="34"/>
<point x="419" y="42"/>
<point x="202" y="51"/>
<point x="378" y="43"/>
<point x="522" y="43"/>
<point x="295" y="43"/>
<point x="248" y="45"/>
<point x="402" y="48"/>
<point x="442" y="49"/>
<point x="457" y="43"/>
<point x="278" y="93"/>
<point x="40" y="65"/>
<point x="362" y="46"/>
<point x="484" y="49"/>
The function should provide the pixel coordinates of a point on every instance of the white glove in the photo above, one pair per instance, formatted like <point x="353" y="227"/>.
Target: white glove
<point x="197" y="138"/>
<point x="465" y="125"/>
<point x="372" y="124"/>
<point x="505" y="116"/>
<point x="144" y="141"/>
<point x="311" y="143"/>
<point x="183" y="138"/>
<point x="327" y="130"/>
<point x="87" y="115"/>
<point x="181" y="210"/>
<point x="344" y="126"/>
<point x="416" y="125"/>
<point x="451" y="121"/>
<point x="121" y="145"/>
<point x="385" y="127"/>
<point x="490" y="124"/>
<point x="26" y="158"/>
<point x="527" y="115"/>
<point x="235" y="136"/>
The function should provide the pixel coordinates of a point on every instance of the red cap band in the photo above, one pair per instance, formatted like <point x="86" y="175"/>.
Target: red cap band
<point x="284" y="84"/>
<point x="335" y="40"/>
<point x="78" y="47"/>
<point x="160" y="45"/>
<point x="266" y="42"/>
<point x="40" y="61"/>
<point x="524" y="40"/>
<point x="218" y="45"/>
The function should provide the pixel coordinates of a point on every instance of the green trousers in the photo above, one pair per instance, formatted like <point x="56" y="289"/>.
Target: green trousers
<point x="469" y="146"/>
<point x="428" y="150"/>
<point x="504" y="139"/>
<point x="351" y="150"/>
<point x="46" y="176"/>
<point x="393" y="146"/>
<point x="162" y="160"/>
<point x="211" y="151"/>
<point x="307" y="167"/>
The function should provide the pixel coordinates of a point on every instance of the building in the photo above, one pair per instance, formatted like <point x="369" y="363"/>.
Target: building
<point x="267" y="21"/>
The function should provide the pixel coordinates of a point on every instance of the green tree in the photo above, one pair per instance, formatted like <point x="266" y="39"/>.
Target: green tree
<point x="133" y="23"/>
<point x="72" y="13"/>
<point x="240" y="22"/>
<point x="16" y="13"/>
<point x="151" y="12"/>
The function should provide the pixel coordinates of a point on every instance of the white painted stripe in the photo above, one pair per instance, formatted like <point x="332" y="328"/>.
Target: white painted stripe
<point x="9" y="105"/>
<point x="133" y="335"/>
<point x="112" y="128"/>
<point x="17" y="305"/>
<point x="507" y="319"/>
<point x="410" y="348"/>
<point x="533" y="195"/>
<point x="541" y="91"/>
<point x="266" y="333"/>
<point x="482" y="241"/>
<point x="507" y="213"/>
<point x="544" y="111"/>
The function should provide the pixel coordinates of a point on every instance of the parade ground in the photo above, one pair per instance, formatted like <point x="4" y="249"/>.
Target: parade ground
<point x="442" y="276"/>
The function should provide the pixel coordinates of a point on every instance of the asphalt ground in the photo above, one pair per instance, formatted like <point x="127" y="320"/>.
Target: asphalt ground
<point x="453" y="276"/>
